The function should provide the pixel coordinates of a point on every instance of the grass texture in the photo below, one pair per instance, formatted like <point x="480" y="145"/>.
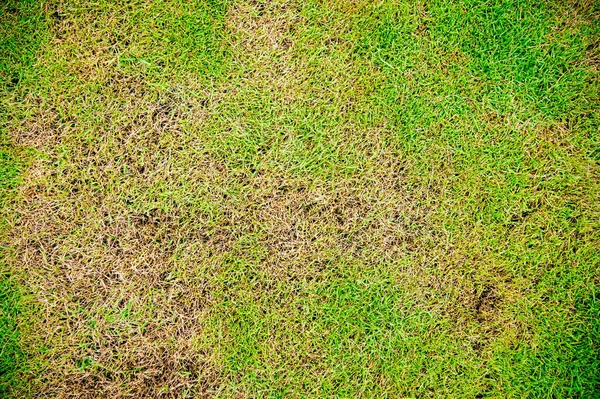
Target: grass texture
<point x="300" y="199"/>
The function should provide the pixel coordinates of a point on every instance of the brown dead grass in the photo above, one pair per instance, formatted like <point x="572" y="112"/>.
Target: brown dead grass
<point x="88" y="257"/>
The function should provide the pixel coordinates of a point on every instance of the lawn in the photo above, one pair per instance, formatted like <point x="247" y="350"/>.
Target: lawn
<point x="300" y="199"/>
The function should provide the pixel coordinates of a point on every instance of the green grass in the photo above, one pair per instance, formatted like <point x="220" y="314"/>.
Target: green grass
<point x="22" y="30"/>
<point x="301" y="199"/>
<point x="10" y="352"/>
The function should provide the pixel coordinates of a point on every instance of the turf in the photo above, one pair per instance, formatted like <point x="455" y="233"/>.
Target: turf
<point x="301" y="199"/>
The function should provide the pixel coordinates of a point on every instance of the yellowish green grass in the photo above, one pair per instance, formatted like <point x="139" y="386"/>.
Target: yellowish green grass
<point x="300" y="199"/>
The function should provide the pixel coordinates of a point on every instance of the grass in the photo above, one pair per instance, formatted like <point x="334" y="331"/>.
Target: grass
<point x="301" y="199"/>
<point x="22" y="32"/>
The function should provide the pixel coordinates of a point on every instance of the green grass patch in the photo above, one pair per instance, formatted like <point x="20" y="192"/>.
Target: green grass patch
<point x="23" y="29"/>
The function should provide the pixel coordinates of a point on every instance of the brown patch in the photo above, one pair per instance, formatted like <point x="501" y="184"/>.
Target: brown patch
<point x="586" y="8"/>
<point x="97" y="242"/>
<point x="95" y="262"/>
<point x="260" y="27"/>
<point x="592" y="54"/>
<point x="486" y="303"/>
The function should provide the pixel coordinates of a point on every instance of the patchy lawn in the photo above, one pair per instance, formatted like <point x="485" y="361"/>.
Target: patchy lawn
<point x="300" y="199"/>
